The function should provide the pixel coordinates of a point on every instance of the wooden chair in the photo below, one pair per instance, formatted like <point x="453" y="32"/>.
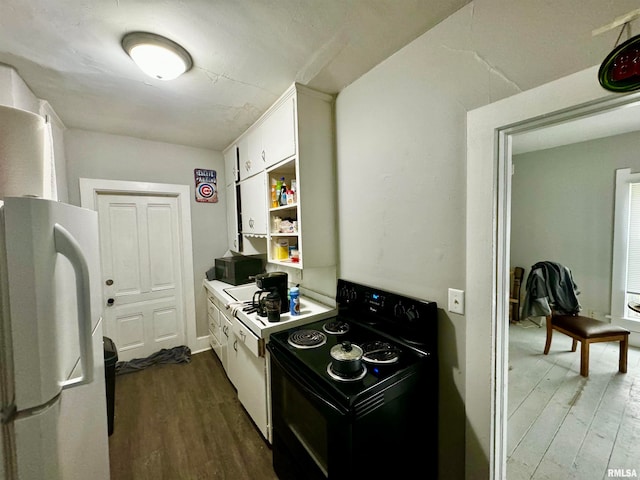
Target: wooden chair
<point x="588" y="330"/>
<point x="517" y="274"/>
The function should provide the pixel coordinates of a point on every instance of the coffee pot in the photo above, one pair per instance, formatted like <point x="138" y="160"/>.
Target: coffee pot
<point x="258" y="300"/>
<point x="277" y="281"/>
<point x="272" y="303"/>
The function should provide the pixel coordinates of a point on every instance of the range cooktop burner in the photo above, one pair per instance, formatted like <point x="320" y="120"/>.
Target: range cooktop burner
<point x="336" y="327"/>
<point x="342" y="377"/>
<point x="307" y="339"/>
<point x="380" y="352"/>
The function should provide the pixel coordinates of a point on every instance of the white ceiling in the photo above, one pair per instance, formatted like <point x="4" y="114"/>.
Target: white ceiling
<point x="246" y="53"/>
<point x="600" y="125"/>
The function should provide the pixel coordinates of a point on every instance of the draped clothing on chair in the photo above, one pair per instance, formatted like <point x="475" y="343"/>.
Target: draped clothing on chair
<point x="550" y="284"/>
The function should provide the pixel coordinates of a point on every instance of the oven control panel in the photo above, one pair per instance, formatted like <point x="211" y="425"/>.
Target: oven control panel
<point x="416" y="318"/>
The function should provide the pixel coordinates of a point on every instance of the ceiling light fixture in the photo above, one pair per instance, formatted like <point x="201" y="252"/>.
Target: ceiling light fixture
<point x="157" y="56"/>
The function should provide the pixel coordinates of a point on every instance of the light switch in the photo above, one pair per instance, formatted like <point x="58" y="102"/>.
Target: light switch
<point x="456" y="301"/>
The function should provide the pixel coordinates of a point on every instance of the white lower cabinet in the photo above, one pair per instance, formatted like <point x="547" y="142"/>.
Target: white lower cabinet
<point x="215" y="330"/>
<point x="242" y="355"/>
<point x="229" y="348"/>
<point x="251" y="374"/>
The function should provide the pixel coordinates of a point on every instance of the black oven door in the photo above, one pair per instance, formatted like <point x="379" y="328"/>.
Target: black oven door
<point x="312" y="435"/>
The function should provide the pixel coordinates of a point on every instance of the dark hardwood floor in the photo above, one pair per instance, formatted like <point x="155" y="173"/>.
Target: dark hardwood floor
<point x="184" y="421"/>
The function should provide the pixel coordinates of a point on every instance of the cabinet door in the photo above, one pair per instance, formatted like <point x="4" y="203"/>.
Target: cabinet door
<point x="231" y="165"/>
<point x="251" y="385"/>
<point x="250" y="154"/>
<point x="232" y="219"/>
<point x="253" y="196"/>
<point x="215" y="332"/>
<point x="225" y="331"/>
<point x="232" y="354"/>
<point x="279" y="134"/>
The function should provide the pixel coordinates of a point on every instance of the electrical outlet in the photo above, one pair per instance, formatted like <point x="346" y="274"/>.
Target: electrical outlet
<point x="456" y="301"/>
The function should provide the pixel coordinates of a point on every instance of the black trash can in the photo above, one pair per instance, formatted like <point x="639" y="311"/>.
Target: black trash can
<point x="110" y="359"/>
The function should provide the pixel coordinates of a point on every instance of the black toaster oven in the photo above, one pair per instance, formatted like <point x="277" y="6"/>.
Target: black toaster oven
<point x="238" y="269"/>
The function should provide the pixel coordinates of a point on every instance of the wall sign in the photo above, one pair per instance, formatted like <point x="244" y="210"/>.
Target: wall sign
<point x="206" y="185"/>
<point x="620" y="71"/>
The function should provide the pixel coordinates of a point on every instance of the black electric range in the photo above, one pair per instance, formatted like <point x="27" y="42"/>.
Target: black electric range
<point x="323" y="421"/>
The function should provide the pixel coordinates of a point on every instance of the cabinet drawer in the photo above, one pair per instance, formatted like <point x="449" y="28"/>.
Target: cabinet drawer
<point x="248" y="338"/>
<point x="214" y="323"/>
<point x="213" y="313"/>
<point x="213" y="341"/>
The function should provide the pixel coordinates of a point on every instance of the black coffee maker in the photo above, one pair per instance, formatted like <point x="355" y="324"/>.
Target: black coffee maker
<point x="278" y="282"/>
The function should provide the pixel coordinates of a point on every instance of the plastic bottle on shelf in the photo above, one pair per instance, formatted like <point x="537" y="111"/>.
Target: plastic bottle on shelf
<point x="276" y="224"/>
<point x="283" y="191"/>
<point x="294" y="187"/>
<point x="274" y="196"/>
<point x="278" y="190"/>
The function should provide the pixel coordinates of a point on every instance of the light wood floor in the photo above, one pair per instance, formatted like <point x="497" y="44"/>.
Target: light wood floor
<point x="184" y="421"/>
<point x="562" y="425"/>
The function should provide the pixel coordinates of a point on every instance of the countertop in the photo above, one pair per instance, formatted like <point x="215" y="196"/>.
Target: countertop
<point x="311" y="310"/>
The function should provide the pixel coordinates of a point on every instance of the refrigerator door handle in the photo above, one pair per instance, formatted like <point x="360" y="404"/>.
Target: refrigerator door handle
<point x="68" y="246"/>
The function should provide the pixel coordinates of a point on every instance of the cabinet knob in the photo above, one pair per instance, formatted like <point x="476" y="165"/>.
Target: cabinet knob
<point x="247" y="165"/>
<point x="263" y="156"/>
<point x="251" y="222"/>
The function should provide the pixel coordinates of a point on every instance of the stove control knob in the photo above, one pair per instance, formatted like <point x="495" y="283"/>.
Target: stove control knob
<point x="412" y="314"/>
<point x="399" y="310"/>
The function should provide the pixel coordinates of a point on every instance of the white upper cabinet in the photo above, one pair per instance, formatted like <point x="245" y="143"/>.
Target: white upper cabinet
<point x="249" y="160"/>
<point x="233" y="237"/>
<point x="253" y="205"/>
<point x="294" y="141"/>
<point x="279" y="133"/>
<point x="302" y="231"/>
<point x="231" y="165"/>
<point x="231" y="177"/>
<point x="270" y="140"/>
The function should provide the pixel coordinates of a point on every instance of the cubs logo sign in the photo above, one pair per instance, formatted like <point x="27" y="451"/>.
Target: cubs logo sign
<point x="206" y="185"/>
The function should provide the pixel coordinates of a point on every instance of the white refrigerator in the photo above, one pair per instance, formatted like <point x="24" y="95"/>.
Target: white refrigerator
<point x="52" y="386"/>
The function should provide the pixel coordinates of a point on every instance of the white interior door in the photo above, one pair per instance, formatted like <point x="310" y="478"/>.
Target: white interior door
<point x="140" y="246"/>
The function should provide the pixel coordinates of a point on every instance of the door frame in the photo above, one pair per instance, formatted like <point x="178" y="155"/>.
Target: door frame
<point x="90" y="188"/>
<point x="489" y="131"/>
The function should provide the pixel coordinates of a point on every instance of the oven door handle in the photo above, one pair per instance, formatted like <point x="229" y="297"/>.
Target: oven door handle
<point x="303" y="384"/>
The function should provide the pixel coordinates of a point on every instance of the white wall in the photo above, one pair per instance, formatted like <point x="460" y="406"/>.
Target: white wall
<point x="402" y="176"/>
<point x="562" y="210"/>
<point x="113" y="157"/>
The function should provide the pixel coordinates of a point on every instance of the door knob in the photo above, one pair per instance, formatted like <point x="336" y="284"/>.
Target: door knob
<point x="110" y="302"/>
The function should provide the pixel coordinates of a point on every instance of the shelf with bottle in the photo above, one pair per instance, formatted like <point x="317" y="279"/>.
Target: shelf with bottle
<point x="283" y="186"/>
<point x="291" y="206"/>
<point x="287" y="225"/>
<point x="284" y="249"/>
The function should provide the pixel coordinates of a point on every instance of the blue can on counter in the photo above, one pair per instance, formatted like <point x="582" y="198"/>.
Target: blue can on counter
<point x="294" y="302"/>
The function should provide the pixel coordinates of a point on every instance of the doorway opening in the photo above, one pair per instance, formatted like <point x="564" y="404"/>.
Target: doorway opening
<point x="554" y="132"/>
<point x="489" y="142"/>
